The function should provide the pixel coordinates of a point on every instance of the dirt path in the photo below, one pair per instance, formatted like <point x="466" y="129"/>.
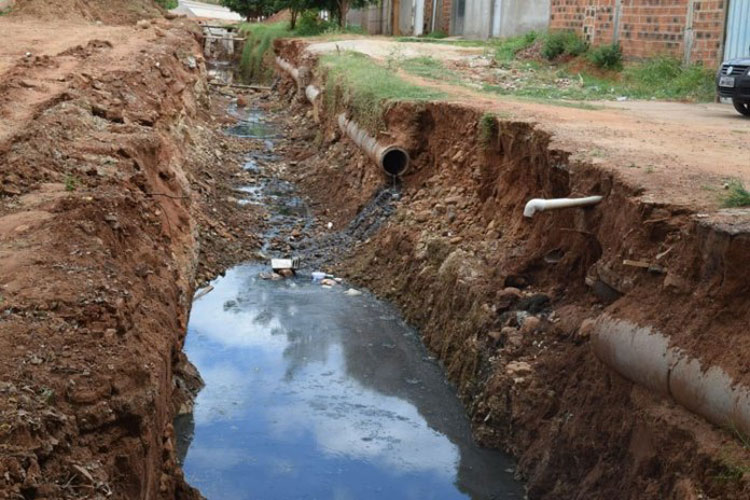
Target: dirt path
<point x="678" y="153"/>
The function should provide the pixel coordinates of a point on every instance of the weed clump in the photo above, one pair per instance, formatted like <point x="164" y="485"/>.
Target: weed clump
<point x="260" y="37"/>
<point x="508" y="48"/>
<point x="561" y="43"/>
<point x="607" y="56"/>
<point x="666" y="78"/>
<point x="488" y="128"/>
<point x="737" y="197"/>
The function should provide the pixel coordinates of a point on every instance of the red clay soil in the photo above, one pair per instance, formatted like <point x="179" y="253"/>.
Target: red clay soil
<point x="112" y="186"/>
<point x="506" y="302"/>
<point x="106" y="11"/>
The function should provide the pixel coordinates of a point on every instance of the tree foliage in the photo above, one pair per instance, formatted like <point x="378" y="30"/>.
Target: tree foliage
<point x="250" y="9"/>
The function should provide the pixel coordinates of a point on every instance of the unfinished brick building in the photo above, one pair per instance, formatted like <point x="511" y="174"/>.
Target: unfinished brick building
<point x="692" y="30"/>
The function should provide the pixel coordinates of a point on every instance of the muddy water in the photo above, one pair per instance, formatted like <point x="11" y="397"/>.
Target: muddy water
<point x="313" y="393"/>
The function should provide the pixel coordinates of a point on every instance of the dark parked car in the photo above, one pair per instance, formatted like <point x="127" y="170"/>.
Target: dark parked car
<point x="733" y="81"/>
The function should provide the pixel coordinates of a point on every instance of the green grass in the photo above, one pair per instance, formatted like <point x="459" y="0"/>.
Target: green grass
<point x="508" y="48"/>
<point x="260" y="38"/>
<point x="737" y="196"/>
<point x="429" y="67"/>
<point x="666" y="78"/>
<point x="356" y="82"/>
<point x="168" y="4"/>
<point x="253" y="64"/>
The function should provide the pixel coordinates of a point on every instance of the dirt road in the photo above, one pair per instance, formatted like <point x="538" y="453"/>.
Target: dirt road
<point x="678" y="153"/>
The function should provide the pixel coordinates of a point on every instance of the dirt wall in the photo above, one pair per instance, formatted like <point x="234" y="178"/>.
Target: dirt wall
<point x="507" y="303"/>
<point x="98" y="252"/>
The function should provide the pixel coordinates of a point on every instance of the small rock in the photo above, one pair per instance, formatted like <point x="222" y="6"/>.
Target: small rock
<point x="518" y="368"/>
<point x="328" y="282"/>
<point x="495" y="335"/>
<point x="586" y="329"/>
<point x="352" y="292"/>
<point x="422" y="216"/>
<point x="530" y="325"/>
<point x="242" y="102"/>
<point x="286" y="273"/>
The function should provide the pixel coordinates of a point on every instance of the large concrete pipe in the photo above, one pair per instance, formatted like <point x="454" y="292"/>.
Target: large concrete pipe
<point x="293" y="72"/>
<point x="312" y="92"/>
<point x="394" y="160"/>
<point x="540" y="204"/>
<point x="644" y="356"/>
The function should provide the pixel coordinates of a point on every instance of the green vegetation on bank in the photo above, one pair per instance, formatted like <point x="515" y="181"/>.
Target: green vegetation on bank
<point x="168" y="4"/>
<point x="737" y="196"/>
<point x="260" y="39"/>
<point x="561" y="65"/>
<point x="355" y="82"/>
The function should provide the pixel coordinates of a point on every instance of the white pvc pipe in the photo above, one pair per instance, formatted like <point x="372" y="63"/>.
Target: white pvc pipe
<point x="540" y="205"/>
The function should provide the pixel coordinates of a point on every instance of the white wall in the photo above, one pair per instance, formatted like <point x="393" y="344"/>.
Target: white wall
<point x="521" y="16"/>
<point x="515" y="17"/>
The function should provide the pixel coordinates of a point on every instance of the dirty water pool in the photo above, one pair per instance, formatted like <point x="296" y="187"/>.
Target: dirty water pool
<point x="311" y="392"/>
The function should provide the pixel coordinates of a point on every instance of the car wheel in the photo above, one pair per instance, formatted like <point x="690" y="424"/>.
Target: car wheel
<point x="742" y="107"/>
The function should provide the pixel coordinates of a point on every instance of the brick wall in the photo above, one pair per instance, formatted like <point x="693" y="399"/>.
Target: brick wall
<point x="647" y="27"/>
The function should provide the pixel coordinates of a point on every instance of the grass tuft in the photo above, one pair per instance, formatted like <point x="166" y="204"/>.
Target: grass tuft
<point x="488" y="128"/>
<point x="737" y="196"/>
<point x="260" y="38"/>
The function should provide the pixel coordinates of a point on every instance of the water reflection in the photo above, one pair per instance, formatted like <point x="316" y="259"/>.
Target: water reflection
<point x="311" y="393"/>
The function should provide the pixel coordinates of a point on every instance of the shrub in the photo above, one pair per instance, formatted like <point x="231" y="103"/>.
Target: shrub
<point x="310" y="24"/>
<point x="607" y="56"/>
<point x="563" y="42"/>
<point x="509" y="47"/>
<point x="738" y="196"/>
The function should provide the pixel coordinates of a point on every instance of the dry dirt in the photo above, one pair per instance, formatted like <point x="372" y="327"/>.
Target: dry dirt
<point x="507" y="302"/>
<point x="115" y="204"/>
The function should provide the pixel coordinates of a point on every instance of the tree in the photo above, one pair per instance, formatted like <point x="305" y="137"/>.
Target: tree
<point x="340" y="8"/>
<point x="250" y="9"/>
<point x="295" y="7"/>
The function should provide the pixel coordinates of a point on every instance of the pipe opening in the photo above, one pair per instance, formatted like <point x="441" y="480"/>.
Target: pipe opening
<point x="395" y="161"/>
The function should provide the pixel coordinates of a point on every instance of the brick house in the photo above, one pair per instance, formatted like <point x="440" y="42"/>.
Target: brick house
<point x="704" y="31"/>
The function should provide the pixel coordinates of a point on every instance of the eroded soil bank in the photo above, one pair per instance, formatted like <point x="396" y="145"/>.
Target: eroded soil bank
<point x="114" y="205"/>
<point x="507" y="303"/>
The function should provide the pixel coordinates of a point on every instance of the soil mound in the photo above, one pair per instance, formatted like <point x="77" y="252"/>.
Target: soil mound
<point x="106" y="11"/>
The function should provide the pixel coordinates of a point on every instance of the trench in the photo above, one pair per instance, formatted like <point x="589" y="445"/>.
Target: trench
<point x="320" y="391"/>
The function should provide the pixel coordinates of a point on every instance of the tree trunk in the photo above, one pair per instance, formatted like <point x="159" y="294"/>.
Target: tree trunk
<point x="343" y="10"/>
<point x="293" y="20"/>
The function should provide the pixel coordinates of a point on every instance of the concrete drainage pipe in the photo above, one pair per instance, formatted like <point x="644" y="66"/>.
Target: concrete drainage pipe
<point x="644" y="356"/>
<point x="293" y="72"/>
<point x="394" y="160"/>
<point x="312" y="92"/>
<point x="540" y="205"/>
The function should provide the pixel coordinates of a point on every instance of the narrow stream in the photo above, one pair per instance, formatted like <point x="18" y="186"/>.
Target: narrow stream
<point x="316" y="392"/>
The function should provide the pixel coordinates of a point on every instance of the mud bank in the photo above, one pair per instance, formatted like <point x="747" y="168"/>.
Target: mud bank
<point x="110" y="190"/>
<point x="509" y="304"/>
